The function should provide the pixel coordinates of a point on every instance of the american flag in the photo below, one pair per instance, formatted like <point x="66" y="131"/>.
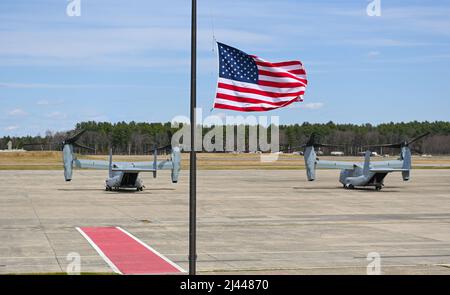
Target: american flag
<point x="250" y="84"/>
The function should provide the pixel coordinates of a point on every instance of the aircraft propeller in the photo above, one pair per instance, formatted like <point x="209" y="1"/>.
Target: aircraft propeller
<point x="155" y="148"/>
<point x="404" y="143"/>
<point x="312" y="141"/>
<point x="72" y="140"/>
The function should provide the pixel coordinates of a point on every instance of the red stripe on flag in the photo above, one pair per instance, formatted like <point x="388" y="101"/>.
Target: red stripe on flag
<point x="125" y="253"/>
<point x="278" y="64"/>
<point x="246" y="109"/>
<point x="252" y="100"/>
<point x="280" y="85"/>
<point x="281" y="75"/>
<point x="297" y="72"/>
<point x="260" y="92"/>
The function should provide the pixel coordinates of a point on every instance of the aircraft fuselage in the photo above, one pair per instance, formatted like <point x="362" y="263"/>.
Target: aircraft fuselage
<point x="354" y="177"/>
<point x="121" y="180"/>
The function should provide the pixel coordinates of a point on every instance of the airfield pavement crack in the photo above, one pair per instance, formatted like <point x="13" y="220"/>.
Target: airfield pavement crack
<point x="43" y="230"/>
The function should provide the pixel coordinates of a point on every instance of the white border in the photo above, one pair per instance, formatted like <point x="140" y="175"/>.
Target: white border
<point x="153" y="250"/>
<point x="218" y="71"/>
<point x="99" y="251"/>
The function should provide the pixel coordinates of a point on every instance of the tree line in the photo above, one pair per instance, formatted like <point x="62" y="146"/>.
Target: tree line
<point x="140" y="137"/>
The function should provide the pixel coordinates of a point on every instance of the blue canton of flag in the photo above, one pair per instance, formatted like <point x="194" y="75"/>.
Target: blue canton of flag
<point x="237" y="65"/>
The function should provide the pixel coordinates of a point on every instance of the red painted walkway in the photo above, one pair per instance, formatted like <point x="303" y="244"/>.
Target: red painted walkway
<point x="126" y="254"/>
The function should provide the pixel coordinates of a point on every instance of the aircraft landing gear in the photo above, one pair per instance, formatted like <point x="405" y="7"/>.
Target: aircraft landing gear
<point x="378" y="188"/>
<point x="140" y="189"/>
<point x="108" y="188"/>
<point x="349" y="186"/>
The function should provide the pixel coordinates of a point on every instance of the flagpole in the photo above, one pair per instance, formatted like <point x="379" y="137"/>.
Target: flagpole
<point x="193" y="156"/>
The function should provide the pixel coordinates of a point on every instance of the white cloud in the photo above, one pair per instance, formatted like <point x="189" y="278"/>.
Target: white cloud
<point x="49" y="102"/>
<point x="11" y="128"/>
<point x="56" y="115"/>
<point x="307" y="106"/>
<point x="17" y="112"/>
<point x="384" y="42"/>
<point x="57" y="86"/>
<point x="43" y="102"/>
<point x="221" y="115"/>
<point x="373" y="54"/>
<point x="100" y="45"/>
<point x="313" y="105"/>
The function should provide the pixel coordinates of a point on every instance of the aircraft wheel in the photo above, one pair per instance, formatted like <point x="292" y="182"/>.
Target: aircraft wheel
<point x="378" y="188"/>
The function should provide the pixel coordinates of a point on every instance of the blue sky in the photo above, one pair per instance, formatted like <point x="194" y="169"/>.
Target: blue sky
<point x="129" y="60"/>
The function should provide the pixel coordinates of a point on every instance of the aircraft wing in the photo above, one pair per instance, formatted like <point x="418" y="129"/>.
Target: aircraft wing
<point x="395" y="164"/>
<point x="162" y="165"/>
<point x="334" y="164"/>
<point x="133" y="170"/>
<point x="92" y="164"/>
<point x="122" y="166"/>
<point x="386" y="170"/>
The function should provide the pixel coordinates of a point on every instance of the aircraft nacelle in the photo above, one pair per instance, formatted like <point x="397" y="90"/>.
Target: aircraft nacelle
<point x="310" y="162"/>
<point x="176" y="163"/>
<point x="68" y="161"/>
<point x="406" y="157"/>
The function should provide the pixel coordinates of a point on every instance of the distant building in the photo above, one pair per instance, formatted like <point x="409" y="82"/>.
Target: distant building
<point x="337" y="153"/>
<point x="10" y="148"/>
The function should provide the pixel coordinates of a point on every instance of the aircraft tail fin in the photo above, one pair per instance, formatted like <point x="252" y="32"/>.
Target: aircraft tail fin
<point x="366" y="167"/>
<point x="310" y="162"/>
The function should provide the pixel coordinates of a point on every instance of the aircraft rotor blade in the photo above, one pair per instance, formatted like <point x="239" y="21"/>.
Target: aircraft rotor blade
<point x="155" y="148"/>
<point x="418" y="138"/>
<point x="399" y="145"/>
<point x="292" y="148"/>
<point x="75" y="137"/>
<point x="76" y="144"/>
<point x="164" y="147"/>
<point x="388" y="145"/>
<point x="312" y="141"/>
<point x="327" y="145"/>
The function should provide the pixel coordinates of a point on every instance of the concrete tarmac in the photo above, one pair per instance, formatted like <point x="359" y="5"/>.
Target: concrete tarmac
<point x="249" y="221"/>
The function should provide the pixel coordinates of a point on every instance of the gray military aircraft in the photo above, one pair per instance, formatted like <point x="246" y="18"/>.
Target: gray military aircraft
<point x="122" y="175"/>
<point x="362" y="174"/>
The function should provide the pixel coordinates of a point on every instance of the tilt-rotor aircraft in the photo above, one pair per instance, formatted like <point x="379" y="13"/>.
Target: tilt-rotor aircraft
<point x="362" y="174"/>
<point x="122" y="175"/>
